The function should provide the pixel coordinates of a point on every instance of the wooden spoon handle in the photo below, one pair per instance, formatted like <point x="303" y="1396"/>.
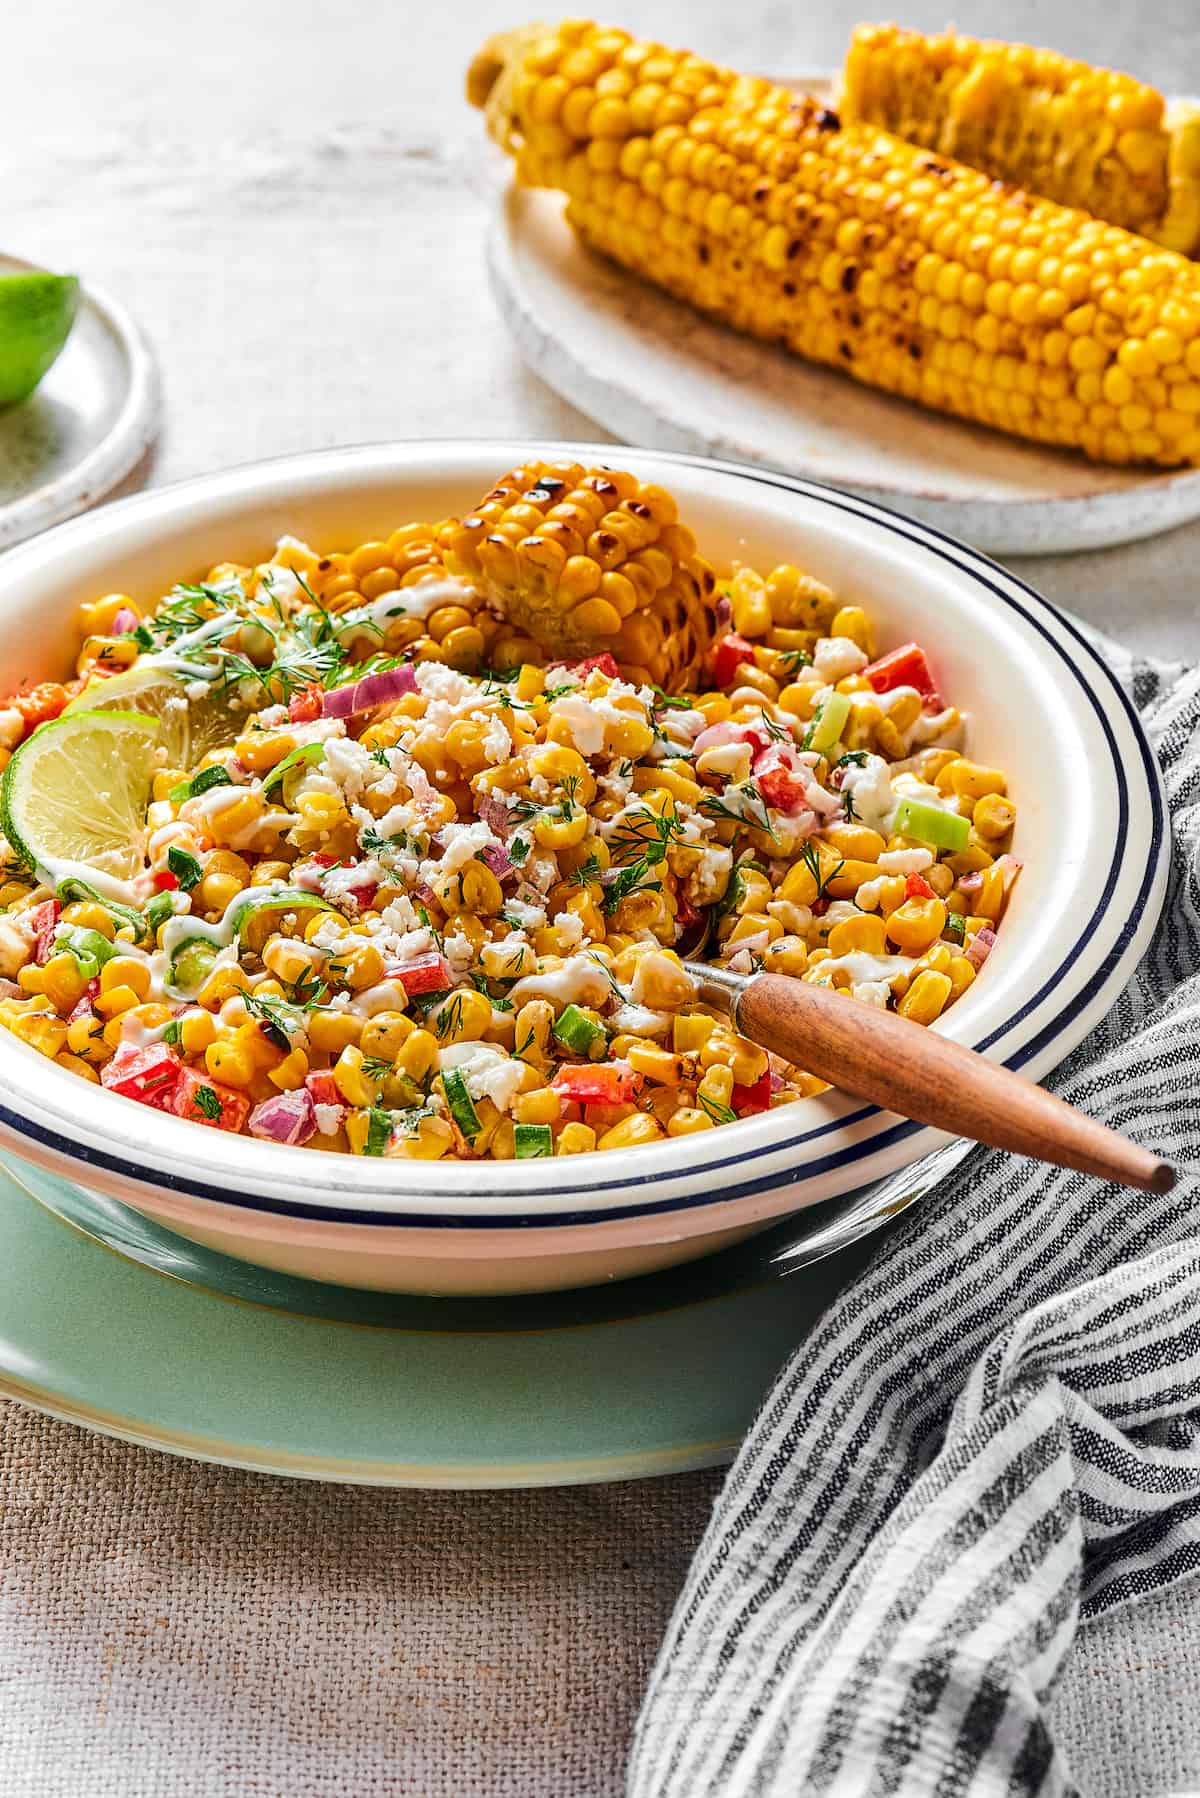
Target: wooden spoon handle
<point x="903" y="1067"/>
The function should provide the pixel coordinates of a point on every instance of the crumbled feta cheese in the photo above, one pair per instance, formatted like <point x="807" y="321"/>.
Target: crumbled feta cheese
<point x="489" y="1072"/>
<point x="459" y="951"/>
<point x="905" y="861"/>
<point x="497" y="744"/>
<point x="329" y="1118"/>
<point x="836" y="657"/>
<point x="461" y="844"/>
<point x="569" y="926"/>
<point x="710" y="876"/>
<point x="529" y="917"/>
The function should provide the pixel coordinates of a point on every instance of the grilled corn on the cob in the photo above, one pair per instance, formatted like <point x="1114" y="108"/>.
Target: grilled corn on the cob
<point x="853" y="248"/>
<point x="586" y="560"/>
<point x="1086" y="137"/>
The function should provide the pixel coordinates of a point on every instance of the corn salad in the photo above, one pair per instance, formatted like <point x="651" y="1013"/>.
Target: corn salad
<point x="424" y="889"/>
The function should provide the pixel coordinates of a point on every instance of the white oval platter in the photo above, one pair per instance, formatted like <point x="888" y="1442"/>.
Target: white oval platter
<point x="652" y="371"/>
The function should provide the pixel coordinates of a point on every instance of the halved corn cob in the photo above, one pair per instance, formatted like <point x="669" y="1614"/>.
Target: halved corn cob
<point x="911" y="272"/>
<point x="585" y="560"/>
<point x="1084" y="136"/>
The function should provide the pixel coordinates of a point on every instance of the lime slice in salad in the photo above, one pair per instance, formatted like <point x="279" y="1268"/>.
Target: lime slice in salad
<point x="37" y="311"/>
<point x="75" y="796"/>
<point x="190" y="727"/>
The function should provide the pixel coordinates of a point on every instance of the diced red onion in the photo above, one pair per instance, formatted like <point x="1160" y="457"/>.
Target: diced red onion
<point x="126" y="620"/>
<point x="497" y="858"/>
<point x="288" y="1117"/>
<point x="971" y="883"/>
<point x="980" y="946"/>
<point x="495" y="813"/>
<point x="724" y="609"/>
<point x="777" y="1082"/>
<point x="1010" y="866"/>
<point x="372" y="690"/>
<point x="85" y="1006"/>
<point x="728" y="732"/>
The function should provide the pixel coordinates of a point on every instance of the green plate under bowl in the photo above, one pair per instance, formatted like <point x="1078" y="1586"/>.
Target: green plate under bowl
<point x="110" y="1321"/>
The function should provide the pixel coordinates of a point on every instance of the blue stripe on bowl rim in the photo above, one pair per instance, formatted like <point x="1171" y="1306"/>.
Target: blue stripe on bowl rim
<point x="968" y="561"/>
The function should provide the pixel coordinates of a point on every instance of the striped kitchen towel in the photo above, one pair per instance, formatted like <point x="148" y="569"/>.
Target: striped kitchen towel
<point x="992" y="1437"/>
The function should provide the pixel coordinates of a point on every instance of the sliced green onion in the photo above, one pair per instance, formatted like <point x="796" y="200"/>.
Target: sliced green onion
<point x="576" y="1031"/>
<point x="184" y="866"/>
<point x="379" y="1131"/>
<point x="160" y="908"/>
<point x="530" y="1140"/>
<point x="462" y="1108"/>
<point x="828" y="723"/>
<point x="190" y="967"/>
<point x="73" y="888"/>
<point x="261" y="899"/>
<point x="298" y="758"/>
<point x="930" y="824"/>
<point x="216" y="776"/>
<point x="91" y="948"/>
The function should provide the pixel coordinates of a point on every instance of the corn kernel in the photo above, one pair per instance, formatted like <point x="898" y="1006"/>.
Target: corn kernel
<point x="123" y="970"/>
<point x="231" y="1063"/>
<point x="915" y="924"/>
<point x="291" y="1071"/>
<point x="330" y="1032"/>
<point x="197" y="1029"/>
<point x="632" y="1132"/>
<point x="417" y="1054"/>
<point x="687" y="1120"/>
<point x="541" y="1106"/>
<point x="926" y="997"/>
<point x="575" y="1139"/>
<point x="63" y="982"/>
<point x="656" y="1064"/>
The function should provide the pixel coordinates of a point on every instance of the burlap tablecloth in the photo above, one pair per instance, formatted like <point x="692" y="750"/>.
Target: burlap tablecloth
<point x="289" y="197"/>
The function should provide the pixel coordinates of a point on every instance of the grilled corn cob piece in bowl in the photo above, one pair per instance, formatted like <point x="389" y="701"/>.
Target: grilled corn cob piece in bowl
<point x="913" y="273"/>
<point x="586" y="560"/>
<point x="1083" y="136"/>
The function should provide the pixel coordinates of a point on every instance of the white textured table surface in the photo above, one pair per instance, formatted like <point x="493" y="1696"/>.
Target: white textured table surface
<point x="289" y="195"/>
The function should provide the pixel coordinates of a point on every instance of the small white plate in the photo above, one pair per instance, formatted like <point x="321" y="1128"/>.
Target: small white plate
<point x="89" y="423"/>
<point x="652" y="371"/>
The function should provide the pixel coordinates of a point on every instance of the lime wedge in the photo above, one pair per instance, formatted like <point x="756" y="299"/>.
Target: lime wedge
<point x="190" y="727"/>
<point x="75" y="796"/>
<point x="36" y="314"/>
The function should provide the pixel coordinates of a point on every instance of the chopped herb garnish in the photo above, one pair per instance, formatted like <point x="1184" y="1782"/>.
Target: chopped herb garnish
<point x="720" y="1114"/>
<point x="184" y="866"/>
<point x="449" y="1020"/>
<point x="812" y="861"/>
<point x="206" y="1101"/>
<point x="216" y="776"/>
<point x="853" y="758"/>
<point x="379" y="1131"/>
<point x="518" y="851"/>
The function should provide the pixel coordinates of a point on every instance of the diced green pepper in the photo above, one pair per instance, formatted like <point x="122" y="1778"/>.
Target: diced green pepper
<point x="462" y="1108"/>
<point x="956" y="928"/>
<point x="828" y="723"/>
<point x="530" y="1140"/>
<point x="576" y="1031"/>
<point x="261" y="899"/>
<point x="930" y="824"/>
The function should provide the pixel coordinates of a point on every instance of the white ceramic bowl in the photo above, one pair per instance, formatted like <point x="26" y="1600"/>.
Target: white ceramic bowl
<point x="1041" y="704"/>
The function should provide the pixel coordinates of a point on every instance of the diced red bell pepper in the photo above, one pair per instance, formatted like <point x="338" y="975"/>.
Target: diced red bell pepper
<point x="904" y="667"/>
<point x="746" y="1100"/>
<point x="778" y="778"/>
<point x="428" y="974"/>
<point x="185" y="1102"/>
<point x="916" y="887"/>
<point x="39" y="704"/>
<point x="599" y="1083"/>
<point x="306" y="704"/>
<point x="85" y="1008"/>
<point x="148" y="1075"/>
<point x="728" y="657"/>
<point x="686" y="913"/>
<point x="323" y="1089"/>
<point x="165" y="881"/>
<point x="363" y="895"/>
<point x="604" y="662"/>
<point x="44" y="919"/>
